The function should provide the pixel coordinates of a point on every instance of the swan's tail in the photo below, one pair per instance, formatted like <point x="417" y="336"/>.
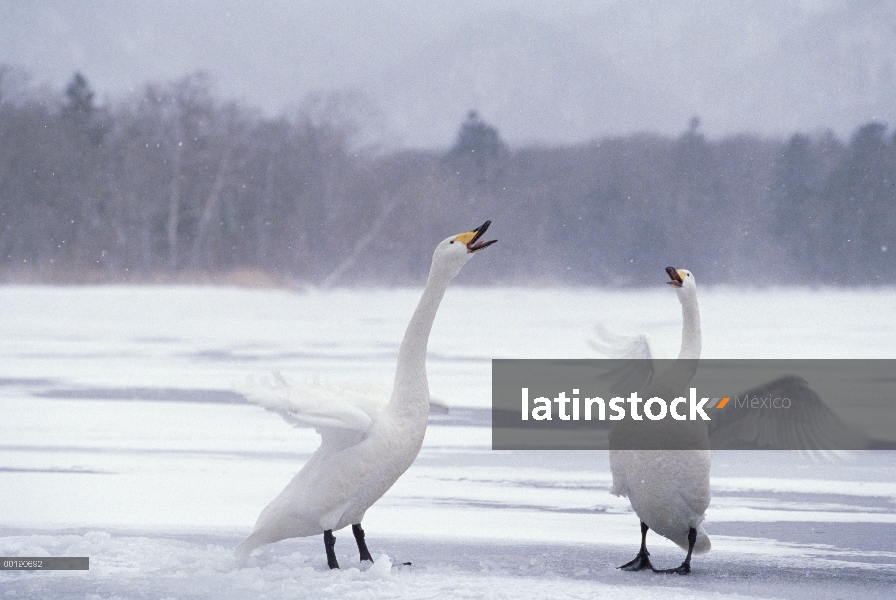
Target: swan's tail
<point x="676" y="530"/>
<point x="245" y="548"/>
<point x="702" y="545"/>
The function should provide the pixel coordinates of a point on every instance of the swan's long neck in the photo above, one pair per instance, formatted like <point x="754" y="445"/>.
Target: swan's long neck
<point x="691" y="338"/>
<point x="411" y="390"/>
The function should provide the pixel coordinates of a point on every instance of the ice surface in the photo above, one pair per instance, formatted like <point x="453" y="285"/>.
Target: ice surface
<point x="119" y="440"/>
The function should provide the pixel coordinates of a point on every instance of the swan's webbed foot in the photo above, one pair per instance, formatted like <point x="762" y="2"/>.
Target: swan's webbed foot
<point x="685" y="567"/>
<point x="330" y="546"/>
<point x="640" y="562"/>
<point x="362" y="545"/>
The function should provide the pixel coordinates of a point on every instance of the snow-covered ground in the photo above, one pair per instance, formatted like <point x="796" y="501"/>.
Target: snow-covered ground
<point x="119" y="440"/>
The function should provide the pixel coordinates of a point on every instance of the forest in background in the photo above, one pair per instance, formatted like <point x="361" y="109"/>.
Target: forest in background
<point x="173" y="184"/>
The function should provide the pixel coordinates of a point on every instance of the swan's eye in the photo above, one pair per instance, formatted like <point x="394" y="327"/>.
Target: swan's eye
<point x="452" y="241"/>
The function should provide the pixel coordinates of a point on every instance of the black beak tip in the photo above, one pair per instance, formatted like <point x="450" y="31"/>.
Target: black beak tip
<point x="674" y="276"/>
<point x="478" y="234"/>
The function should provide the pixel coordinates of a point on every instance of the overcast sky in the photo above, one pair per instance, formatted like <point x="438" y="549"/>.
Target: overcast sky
<point x="550" y="72"/>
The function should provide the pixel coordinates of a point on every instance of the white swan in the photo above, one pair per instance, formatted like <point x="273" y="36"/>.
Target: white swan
<point x="364" y="448"/>
<point x="668" y="489"/>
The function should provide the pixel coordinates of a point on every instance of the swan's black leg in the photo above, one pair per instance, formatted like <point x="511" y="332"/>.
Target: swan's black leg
<point x="362" y="545"/>
<point x="685" y="567"/>
<point x="642" y="560"/>
<point x="330" y="545"/>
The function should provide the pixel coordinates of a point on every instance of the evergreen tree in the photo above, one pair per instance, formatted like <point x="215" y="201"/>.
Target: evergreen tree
<point x="479" y="153"/>
<point x="796" y="207"/>
<point x="80" y="113"/>
<point x="861" y="196"/>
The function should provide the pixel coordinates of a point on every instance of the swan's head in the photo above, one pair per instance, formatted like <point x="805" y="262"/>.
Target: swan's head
<point x="683" y="281"/>
<point x="455" y="251"/>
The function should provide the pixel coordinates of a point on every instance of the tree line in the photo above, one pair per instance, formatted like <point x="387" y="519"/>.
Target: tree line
<point x="172" y="184"/>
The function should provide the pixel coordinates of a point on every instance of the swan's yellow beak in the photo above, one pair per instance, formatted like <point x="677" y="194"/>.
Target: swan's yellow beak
<point x="675" y="276"/>
<point x="470" y="238"/>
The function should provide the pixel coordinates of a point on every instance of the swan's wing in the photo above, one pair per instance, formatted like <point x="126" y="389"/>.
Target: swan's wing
<point x="807" y="425"/>
<point x="634" y="366"/>
<point x="375" y="394"/>
<point x="372" y="396"/>
<point x="325" y="406"/>
<point x="437" y="406"/>
<point x="613" y="345"/>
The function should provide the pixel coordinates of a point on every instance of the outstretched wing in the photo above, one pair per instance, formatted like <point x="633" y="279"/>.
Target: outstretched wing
<point x="808" y="424"/>
<point x="635" y="359"/>
<point x="350" y="406"/>
<point x="437" y="406"/>
<point x="613" y="345"/>
<point x="312" y="403"/>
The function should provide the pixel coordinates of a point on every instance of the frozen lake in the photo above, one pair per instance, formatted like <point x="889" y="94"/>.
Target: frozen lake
<point x="120" y="440"/>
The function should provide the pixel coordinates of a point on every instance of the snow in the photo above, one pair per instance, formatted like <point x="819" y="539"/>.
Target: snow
<point x="120" y="441"/>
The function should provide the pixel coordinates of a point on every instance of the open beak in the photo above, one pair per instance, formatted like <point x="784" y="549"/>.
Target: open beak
<point x="471" y="238"/>
<point x="675" y="276"/>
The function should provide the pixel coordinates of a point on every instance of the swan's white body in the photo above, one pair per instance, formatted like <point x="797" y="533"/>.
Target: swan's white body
<point x="669" y="489"/>
<point x="364" y="447"/>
